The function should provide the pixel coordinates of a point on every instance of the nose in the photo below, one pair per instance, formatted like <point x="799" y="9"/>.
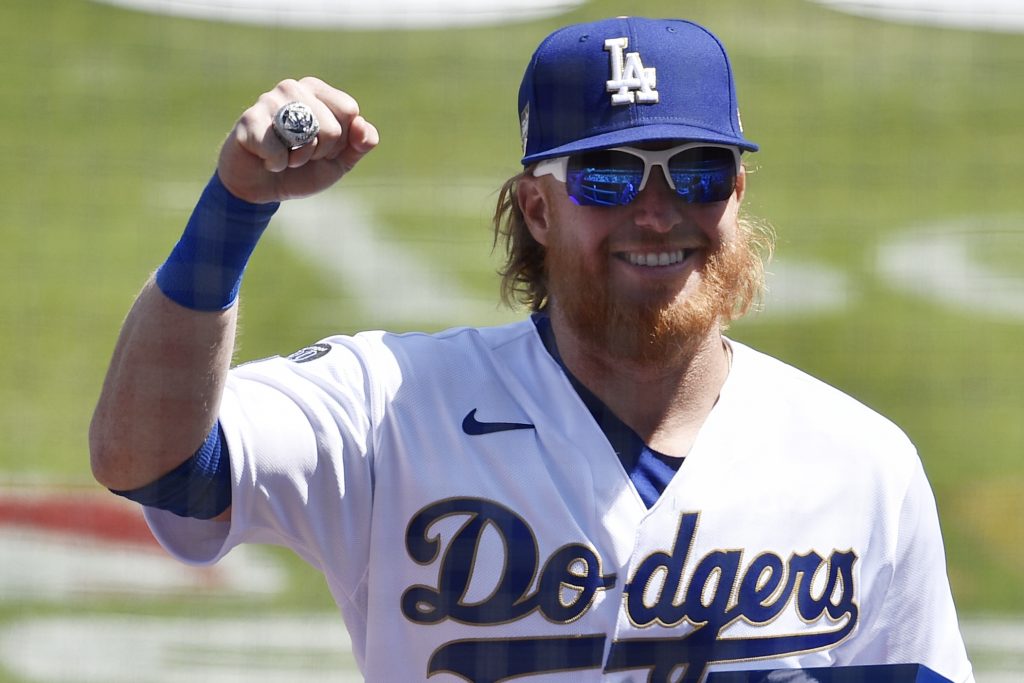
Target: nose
<point x="657" y="207"/>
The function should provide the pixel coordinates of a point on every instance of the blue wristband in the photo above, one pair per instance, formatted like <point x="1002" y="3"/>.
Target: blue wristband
<point x="204" y="270"/>
<point x="200" y="487"/>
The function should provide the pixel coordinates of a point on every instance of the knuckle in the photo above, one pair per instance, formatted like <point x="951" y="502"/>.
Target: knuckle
<point x="286" y="89"/>
<point x="311" y="81"/>
<point x="331" y="129"/>
<point x="249" y="120"/>
<point x="267" y="101"/>
<point x="350" y="106"/>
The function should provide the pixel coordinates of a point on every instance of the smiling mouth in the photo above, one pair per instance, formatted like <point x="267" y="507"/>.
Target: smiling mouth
<point x="656" y="258"/>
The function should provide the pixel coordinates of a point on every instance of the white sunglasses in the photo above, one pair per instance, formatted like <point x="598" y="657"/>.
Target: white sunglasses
<point x="699" y="172"/>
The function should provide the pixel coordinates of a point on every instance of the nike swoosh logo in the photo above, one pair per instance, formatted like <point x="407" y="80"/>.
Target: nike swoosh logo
<point x="475" y="427"/>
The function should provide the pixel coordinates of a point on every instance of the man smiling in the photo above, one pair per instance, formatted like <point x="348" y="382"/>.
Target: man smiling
<point x="609" y="489"/>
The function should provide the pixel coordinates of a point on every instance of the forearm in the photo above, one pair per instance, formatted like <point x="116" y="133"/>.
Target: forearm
<point x="163" y="387"/>
<point x="162" y="390"/>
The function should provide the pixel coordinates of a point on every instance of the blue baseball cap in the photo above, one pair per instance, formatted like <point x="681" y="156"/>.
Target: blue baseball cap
<point x="624" y="81"/>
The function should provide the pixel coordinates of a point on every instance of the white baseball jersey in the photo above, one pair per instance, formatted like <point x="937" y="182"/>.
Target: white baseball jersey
<point x="474" y="524"/>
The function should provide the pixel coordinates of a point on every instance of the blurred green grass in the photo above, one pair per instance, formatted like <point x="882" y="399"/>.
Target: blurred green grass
<point x="113" y="118"/>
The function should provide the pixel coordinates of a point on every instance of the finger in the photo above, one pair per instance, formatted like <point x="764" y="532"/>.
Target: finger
<point x="300" y="156"/>
<point x="265" y="140"/>
<point x="258" y="124"/>
<point x="250" y="135"/>
<point x="336" y="111"/>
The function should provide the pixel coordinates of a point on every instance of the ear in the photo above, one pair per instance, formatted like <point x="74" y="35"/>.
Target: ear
<point x="741" y="184"/>
<point x="533" y="202"/>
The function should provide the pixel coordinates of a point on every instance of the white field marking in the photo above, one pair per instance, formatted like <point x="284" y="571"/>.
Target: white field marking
<point x="804" y="288"/>
<point x="996" y="647"/>
<point x="987" y="15"/>
<point x="53" y="554"/>
<point x="937" y="263"/>
<point x="386" y="279"/>
<point x="273" y="648"/>
<point x="50" y="567"/>
<point x="357" y="14"/>
<point x="990" y="15"/>
<point x="126" y="649"/>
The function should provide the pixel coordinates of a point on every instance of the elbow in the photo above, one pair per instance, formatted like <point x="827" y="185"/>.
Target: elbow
<point x="113" y="453"/>
<point x="127" y="451"/>
<point x="102" y="456"/>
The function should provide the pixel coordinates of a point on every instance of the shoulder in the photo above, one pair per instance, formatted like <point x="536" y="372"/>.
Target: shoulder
<point x="457" y="351"/>
<point x="813" y="411"/>
<point x="457" y="340"/>
<point x="798" y="433"/>
<point x="377" y="349"/>
<point x="382" y="362"/>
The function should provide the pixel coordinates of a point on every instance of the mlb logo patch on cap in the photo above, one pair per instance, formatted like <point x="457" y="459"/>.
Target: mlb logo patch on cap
<point x="624" y="81"/>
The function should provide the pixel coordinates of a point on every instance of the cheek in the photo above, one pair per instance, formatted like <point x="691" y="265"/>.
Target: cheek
<point x="573" y="260"/>
<point x="576" y="228"/>
<point x="720" y="222"/>
<point x="581" y="247"/>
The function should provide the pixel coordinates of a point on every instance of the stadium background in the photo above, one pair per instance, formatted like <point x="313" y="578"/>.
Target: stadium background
<point x="890" y="169"/>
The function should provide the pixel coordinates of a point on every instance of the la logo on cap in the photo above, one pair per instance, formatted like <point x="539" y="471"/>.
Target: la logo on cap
<point x="631" y="82"/>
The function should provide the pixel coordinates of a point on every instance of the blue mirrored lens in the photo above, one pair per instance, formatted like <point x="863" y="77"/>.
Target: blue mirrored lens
<point x="704" y="174"/>
<point x="604" y="178"/>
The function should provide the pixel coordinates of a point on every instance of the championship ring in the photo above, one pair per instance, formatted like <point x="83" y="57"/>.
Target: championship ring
<point x="295" y="125"/>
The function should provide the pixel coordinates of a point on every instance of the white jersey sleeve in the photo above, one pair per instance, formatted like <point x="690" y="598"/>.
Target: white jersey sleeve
<point x="301" y="445"/>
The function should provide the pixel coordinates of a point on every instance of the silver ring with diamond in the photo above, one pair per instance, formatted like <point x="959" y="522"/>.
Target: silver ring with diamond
<point x="295" y="125"/>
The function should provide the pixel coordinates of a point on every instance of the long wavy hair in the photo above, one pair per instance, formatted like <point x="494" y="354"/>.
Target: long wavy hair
<point x="524" y="279"/>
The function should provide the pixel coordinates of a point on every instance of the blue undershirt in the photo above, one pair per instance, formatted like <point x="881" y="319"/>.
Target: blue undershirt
<point x="649" y="470"/>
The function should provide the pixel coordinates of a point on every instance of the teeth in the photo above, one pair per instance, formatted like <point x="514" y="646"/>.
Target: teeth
<point x="664" y="258"/>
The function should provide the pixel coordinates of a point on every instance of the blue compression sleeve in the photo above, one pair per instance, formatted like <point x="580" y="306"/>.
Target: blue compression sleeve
<point x="200" y="487"/>
<point x="204" y="270"/>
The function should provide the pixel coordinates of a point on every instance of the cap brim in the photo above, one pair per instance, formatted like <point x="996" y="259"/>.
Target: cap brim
<point x="638" y="134"/>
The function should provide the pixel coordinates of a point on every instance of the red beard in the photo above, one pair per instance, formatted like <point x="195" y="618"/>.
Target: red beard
<point x="665" y="327"/>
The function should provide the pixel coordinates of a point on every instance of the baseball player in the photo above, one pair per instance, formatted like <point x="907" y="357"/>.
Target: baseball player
<point x="609" y="489"/>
